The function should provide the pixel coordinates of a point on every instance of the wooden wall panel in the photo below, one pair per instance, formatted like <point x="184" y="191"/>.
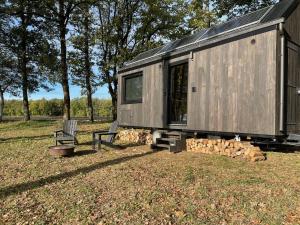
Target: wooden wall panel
<point x="292" y="27"/>
<point x="293" y="84"/>
<point x="149" y="113"/>
<point x="236" y="87"/>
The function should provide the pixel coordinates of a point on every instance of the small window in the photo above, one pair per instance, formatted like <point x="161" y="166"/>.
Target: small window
<point x="133" y="88"/>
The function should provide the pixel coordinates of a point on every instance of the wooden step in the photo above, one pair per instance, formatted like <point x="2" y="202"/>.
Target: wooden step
<point x="293" y="138"/>
<point x="166" y="139"/>
<point x="174" y="141"/>
<point x="163" y="146"/>
<point x="173" y="133"/>
<point x="176" y="137"/>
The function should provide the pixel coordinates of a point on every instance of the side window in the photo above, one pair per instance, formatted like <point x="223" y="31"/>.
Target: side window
<point x="133" y="88"/>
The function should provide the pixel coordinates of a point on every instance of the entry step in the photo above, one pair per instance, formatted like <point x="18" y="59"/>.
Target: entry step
<point x="174" y="141"/>
<point x="163" y="146"/>
<point x="166" y="139"/>
<point x="293" y="138"/>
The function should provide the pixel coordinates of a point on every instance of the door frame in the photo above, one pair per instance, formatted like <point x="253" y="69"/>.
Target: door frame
<point x="293" y="88"/>
<point x="172" y="124"/>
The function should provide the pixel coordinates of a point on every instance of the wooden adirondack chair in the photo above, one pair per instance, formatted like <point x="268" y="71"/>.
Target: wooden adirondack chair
<point x="68" y="134"/>
<point x="110" y="135"/>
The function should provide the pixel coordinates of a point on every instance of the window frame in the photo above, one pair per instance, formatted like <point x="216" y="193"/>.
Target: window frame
<point x="130" y="76"/>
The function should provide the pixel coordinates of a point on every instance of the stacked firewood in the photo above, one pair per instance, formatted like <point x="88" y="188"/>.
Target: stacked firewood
<point x="230" y="148"/>
<point x="135" y="136"/>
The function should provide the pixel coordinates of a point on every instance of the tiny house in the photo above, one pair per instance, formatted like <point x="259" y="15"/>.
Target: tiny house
<point x="241" y="77"/>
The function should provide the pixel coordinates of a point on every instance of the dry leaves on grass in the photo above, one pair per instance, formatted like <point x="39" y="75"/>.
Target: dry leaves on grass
<point x="137" y="186"/>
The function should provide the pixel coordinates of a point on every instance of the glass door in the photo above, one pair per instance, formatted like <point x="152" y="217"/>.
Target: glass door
<point x="178" y="87"/>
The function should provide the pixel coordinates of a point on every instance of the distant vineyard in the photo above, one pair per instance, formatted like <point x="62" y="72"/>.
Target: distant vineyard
<point x="54" y="108"/>
<point x="54" y="118"/>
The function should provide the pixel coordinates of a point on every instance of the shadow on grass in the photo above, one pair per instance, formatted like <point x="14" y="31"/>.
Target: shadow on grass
<point x="84" y="152"/>
<point x="114" y="146"/>
<point x="19" y="188"/>
<point x="128" y="145"/>
<point x="29" y="124"/>
<point x="282" y="148"/>
<point x="39" y="137"/>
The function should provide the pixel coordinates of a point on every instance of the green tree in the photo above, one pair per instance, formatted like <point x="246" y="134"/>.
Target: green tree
<point x="201" y="14"/>
<point x="81" y="58"/>
<point x="13" y="108"/>
<point x="125" y="28"/>
<point x="57" y="14"/>
<point x="232" y="8"/>
<point x="7" y="64"/>
<point x="8" y="82"/>
<point x="103" y="108"/>
<point x="24" y="40"/>
<point x="54" y="107"/>
<point x="204" y="13"/>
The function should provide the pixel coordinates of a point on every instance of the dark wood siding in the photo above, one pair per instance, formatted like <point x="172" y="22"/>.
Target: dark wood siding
<point x="236" y="87"/>
<point x="149" y="113"/>
<point x="292" y="27"/>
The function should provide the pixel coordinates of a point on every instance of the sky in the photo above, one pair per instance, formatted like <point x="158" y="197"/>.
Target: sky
<point x="57" y="92"/>
<point x="75" y="92"/>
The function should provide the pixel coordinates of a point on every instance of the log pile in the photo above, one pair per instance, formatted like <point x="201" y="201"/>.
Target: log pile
<point x="135" y="136"/>
<point x="230" y="148"/>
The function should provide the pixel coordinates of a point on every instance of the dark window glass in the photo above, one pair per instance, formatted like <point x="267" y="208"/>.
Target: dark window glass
<point x="133" y="88"/>
<point x="178" y="94"/>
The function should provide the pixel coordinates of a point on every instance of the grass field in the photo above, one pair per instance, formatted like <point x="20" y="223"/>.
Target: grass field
<point x="137" y="186"/>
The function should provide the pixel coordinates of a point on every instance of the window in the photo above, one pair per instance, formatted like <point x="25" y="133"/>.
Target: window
<point x="133" y="88"/>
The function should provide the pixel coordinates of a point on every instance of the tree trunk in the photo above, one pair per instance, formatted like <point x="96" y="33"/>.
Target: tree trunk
<point x="112" y="88"/>
<point x="24" y="73"/>
<point x="1" y="105"/>
<point x="88" y="67"/>
<point x="63" y="60"/>
<point x="25" y="95"/>
<point x="114" y="106"/>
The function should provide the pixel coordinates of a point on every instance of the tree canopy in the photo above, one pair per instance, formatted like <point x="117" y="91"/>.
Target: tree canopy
<point x="28" y="46"/>
<point x="84" y="42"/>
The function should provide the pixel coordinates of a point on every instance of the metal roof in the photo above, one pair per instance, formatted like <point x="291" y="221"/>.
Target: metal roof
<point x="184" y="41"/>
<point x="281" y="9"/>
<point x="248" y="19"/>
<point x="147" y="54"/>
<point x="259" y="17"/>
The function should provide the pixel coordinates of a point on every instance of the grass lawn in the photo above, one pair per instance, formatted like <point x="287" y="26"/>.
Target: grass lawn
<point x="137" y="186"/>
